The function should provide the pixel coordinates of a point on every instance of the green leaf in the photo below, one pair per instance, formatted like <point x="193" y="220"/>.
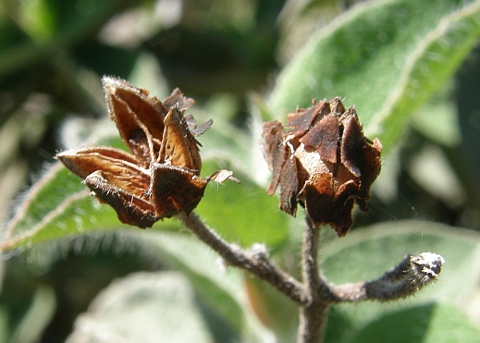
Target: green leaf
<point x="144" y="307"/>
<point x="424" y="323"/>
<point x="385" y="57"/>
<point x="244" y="213"/>
<point x="54" y="26"/>
<point x="59" y="206"/>
<point x="438" y="121"/>
<point x="37" y="317"/>
<point x="365" y="254"/>
<point x="221" y="289"/>
<point x="275" y="311"/>
<point x="4" y="324"/>
<point x="226" y="143"/>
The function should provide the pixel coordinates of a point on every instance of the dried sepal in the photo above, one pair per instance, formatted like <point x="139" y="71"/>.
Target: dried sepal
<point x="195" y="128"/>
<point x="273" y="135"/>
<point x="175" y="189"/>
<point x="289" y="186"/>
<point x="139" y="118"/>
<point x="179" y="147"/>
<point x="131" y="209"/>
<point x="177" y="99"/>
<point x="161" y="176"/>
<point x="322" y="161"/>
<point x="84" y="161"/>
<point x="117" y="166"/>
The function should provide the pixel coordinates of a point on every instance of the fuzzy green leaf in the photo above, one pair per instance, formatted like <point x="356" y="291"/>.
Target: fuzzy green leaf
<point x="385" y="57"/>
<point x="221" y="290"/>
<point x="57" y="207"/>
<point x="244" y="213"/>
<point x="144" y="307"/>
<point x="425" y="323"/>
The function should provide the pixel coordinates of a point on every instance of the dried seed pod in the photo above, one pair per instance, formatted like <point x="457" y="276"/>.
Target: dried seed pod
<point x="161" y="176"/>
<point x="322" y="161"/>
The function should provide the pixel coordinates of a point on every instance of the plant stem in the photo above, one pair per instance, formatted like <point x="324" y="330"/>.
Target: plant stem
<point x="313" y="315"/>
<point x="254" y="260"/>
<point x="407" y="278"/>
<point x="315" y="295"/>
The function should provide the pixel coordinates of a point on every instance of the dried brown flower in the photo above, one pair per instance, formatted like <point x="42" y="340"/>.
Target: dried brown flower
<point x="323" y="162"/>
<point x="161" y="176"/>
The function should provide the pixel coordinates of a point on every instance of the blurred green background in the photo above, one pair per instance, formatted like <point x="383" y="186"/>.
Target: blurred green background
<point x="53" y="53"/>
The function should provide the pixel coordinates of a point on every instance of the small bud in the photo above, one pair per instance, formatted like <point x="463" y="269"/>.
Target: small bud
<point x="323" y="162"/>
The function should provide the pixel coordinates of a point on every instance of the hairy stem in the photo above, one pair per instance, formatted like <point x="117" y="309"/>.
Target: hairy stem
<point x="255" y="261"/>
<point x="314" y="296"/>
<point x="313" y="315"/>
<point x="408" y="277"/>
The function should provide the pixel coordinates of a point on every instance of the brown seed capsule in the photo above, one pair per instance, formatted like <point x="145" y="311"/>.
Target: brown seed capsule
<point x="161" y="176"/>
<point x="322" y="161"/>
